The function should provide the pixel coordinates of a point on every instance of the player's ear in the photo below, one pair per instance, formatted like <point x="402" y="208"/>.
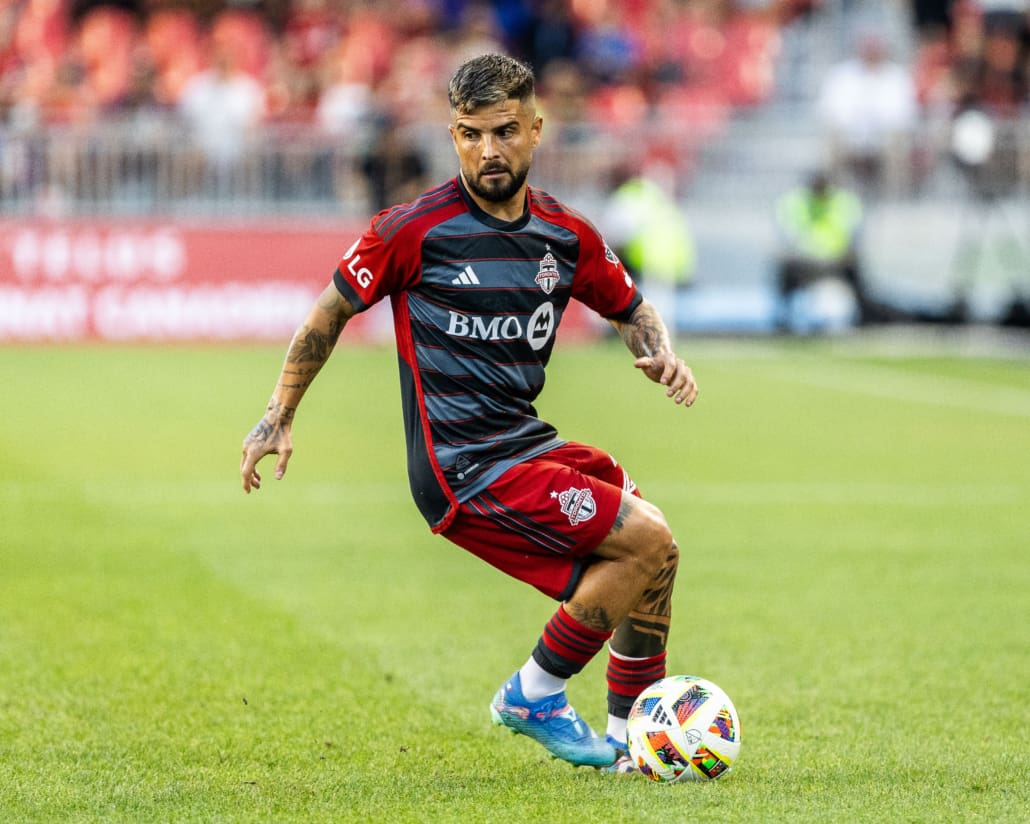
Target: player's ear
<point x="536" y="129"/>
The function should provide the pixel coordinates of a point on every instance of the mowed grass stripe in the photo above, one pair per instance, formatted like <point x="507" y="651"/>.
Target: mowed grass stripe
<point x="899" y="384"/>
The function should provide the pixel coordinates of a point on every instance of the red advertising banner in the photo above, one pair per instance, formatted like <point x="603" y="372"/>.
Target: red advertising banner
<point x="109" y="280"/>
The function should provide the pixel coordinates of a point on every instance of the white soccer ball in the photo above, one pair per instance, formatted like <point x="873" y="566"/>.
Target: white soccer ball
<point x="683" y="728"/>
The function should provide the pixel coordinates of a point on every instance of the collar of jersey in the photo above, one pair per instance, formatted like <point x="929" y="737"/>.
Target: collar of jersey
<point x="490" y="220"/>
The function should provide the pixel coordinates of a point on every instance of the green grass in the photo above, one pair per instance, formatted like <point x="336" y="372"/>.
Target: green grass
<point x="856" y="575"/>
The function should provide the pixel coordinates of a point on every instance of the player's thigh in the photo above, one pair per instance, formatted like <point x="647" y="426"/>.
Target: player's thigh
<point x="639" y="527"/>
<point x="540" y="520"/>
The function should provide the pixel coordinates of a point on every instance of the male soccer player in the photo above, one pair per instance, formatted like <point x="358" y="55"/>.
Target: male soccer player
<point x="479" y="271"/>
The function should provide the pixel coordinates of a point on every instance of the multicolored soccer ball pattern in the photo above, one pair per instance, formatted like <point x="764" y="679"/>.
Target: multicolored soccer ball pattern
<point x="683" y="728"/>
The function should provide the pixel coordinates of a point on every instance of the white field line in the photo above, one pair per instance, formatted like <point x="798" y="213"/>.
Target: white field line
<point x="900" y="385"/>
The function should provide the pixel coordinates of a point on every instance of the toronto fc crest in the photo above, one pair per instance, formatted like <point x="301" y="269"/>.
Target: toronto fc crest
<point x="577" y="504"/>
<point x="548" y="275"/>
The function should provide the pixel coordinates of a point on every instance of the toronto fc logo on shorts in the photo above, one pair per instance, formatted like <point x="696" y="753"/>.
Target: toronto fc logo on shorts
<point x="577" y="504"/>
<point x="548" y="277"/>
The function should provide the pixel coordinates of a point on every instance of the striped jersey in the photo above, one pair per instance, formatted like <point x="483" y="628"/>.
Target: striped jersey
<point x="476" y="304"/>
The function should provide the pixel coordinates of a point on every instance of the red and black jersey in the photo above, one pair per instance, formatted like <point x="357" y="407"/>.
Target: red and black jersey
<point x="476" y="304"/>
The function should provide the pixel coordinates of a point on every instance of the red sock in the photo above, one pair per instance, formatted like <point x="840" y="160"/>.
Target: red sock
<point x="628" y="677"/>
<point x="566" y="645"/>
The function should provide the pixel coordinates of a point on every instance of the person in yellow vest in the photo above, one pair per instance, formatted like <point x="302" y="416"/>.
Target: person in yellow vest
<point x="648" y="230"/>
<point x="819" y="225"/>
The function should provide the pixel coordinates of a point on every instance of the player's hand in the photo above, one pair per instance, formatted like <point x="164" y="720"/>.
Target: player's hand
<point x="270" y="436"/>
<point x="671" y="372"/>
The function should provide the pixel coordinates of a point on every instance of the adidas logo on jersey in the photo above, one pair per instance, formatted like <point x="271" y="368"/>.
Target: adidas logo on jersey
<point x="466" y="278"/>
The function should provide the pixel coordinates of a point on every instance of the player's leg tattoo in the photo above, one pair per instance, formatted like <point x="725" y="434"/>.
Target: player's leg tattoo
<point x="646" y="629"/>
<point x="625" y="508"/>
<point x="596" y="618"/>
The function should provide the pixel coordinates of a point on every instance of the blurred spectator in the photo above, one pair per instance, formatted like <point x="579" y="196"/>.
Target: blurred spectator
<point x="990" y="63"/>
<point x="728" y="49"/>
<point x="818" y="224"/>
<point x="990" y="88"/>
<point x="312" y="29"/>
<point x="646" y="228"/>
<point x="549" y="33"/>
<point x="345" y="101"/>
<point x="223" y="105"/>
<point x="608" y="49"/>
<point x="476" y="34"/>
<point x="291" y="89"/>
<point x="577" y="147"/>
<point x="107" y="41"/>
<point x="40" y="89"/>
<point x="416" y="80"/>
<point x="563" y="94"/>
<point x="394" y="168"/>
<point x="173" y="42"/>
<point x="868" y="105"/>
<point x="932" y="70"/>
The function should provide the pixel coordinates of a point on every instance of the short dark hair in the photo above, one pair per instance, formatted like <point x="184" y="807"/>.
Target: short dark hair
<point x="489" y="79"/>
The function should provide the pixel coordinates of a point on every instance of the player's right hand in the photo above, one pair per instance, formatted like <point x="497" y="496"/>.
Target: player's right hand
<point x="269" y="436"/>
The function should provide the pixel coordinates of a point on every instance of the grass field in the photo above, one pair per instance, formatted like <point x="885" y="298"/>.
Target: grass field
<point x="855" y="527"/>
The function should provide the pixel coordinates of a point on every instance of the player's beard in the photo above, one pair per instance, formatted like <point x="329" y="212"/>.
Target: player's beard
<point x="499" y="190"/>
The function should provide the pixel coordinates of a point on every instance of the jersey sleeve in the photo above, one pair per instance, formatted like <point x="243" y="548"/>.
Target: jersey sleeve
<point x="373" y="269"/>
<point x="602" y="282"/>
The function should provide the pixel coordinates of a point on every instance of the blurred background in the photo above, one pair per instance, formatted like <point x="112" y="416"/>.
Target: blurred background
<point x="193" y="169"/>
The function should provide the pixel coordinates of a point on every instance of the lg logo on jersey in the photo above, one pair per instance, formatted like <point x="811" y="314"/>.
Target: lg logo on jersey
<point x="538" y="331"/>
<point x="362" y="274"/>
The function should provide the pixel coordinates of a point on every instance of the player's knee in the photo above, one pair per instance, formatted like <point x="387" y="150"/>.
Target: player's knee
<point x="656" y="549"/>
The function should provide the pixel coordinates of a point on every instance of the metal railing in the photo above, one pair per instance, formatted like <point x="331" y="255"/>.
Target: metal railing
<point x="149" y="166"/>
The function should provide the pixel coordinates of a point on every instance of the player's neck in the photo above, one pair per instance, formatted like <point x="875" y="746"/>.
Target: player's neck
<point x="508" y="211"/>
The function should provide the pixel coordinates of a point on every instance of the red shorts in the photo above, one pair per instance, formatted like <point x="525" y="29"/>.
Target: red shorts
<point x="540" y="519"/>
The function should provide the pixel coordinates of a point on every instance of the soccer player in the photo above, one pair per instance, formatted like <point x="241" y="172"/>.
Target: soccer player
<point x="478" y="272"/>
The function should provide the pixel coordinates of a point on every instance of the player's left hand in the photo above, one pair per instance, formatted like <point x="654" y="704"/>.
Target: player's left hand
<point x="671" y="372"/>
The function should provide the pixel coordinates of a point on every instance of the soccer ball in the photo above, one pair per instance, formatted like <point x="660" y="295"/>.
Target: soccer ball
<point x="683" y="728"/>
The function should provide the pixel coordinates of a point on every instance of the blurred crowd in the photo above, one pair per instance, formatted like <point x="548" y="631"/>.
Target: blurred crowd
<point x="330" y="61"/>
<point x="340" y="67"/>
<point x="324" y="60"/>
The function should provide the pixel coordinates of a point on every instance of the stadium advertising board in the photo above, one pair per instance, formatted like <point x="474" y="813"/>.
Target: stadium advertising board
<point x="96" y="280"/>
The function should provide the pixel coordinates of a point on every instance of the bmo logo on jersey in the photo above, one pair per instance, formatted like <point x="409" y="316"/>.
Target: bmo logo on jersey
<point x="541" y="326"/>
<point x="538" y="330"/>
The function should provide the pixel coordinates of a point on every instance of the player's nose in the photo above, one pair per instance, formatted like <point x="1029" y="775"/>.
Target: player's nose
<point x="489" y="147"/>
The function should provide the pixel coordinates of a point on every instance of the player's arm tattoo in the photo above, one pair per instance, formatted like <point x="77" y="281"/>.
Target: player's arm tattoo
<point x="645" y="631"/>
<point x="338" y="310"/>
<point x="644" y="332"/>
<point x="309" y="346"/>
<point x="313" y="344"/>
<point x="279" y="411"/>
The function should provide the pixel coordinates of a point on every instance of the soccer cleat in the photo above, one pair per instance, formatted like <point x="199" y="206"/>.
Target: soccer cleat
<point x="623" y="761"/>
<point x="551" y="722"/>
